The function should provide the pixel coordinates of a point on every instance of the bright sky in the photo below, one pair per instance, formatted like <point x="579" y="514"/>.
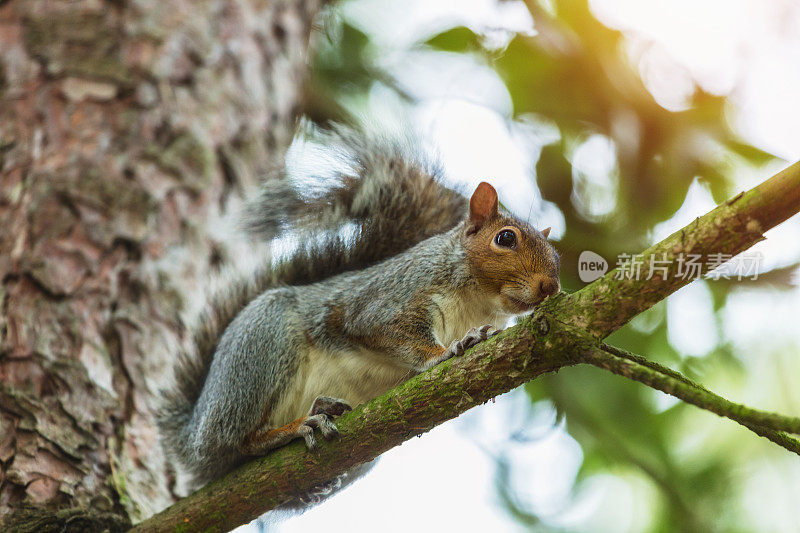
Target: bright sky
<point x="720" y="44"/>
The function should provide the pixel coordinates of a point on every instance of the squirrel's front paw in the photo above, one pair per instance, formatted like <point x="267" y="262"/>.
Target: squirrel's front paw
<point x="470" y="339"/>
<point x="457" y="348"/>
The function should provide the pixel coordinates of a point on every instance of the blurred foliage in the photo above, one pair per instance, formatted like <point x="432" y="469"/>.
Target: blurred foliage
<point x="575" y="74"/>
<point x="343" y="69"/>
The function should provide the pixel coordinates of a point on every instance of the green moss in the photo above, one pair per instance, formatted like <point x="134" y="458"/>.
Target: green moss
<point x="120" y="487"/>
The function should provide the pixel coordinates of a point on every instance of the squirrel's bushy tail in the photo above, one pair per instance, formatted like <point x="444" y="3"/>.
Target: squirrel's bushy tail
<point x="390" y="194"/>
<point x="384" y="184"/>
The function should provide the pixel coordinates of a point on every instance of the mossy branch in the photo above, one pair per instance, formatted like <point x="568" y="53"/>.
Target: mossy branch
<point x="565" y="331"/>
<point x="732" y="227"/>
<point x="770" y="425"/>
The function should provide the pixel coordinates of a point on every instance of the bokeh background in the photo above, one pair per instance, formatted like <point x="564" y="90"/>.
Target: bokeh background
<point x="615" y="122"/>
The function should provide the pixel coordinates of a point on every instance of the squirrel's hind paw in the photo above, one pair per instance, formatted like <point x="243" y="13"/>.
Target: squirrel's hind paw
<point x="321" y="421"/>
<point x="319" y="416"/>
<point x="329" y="406"/>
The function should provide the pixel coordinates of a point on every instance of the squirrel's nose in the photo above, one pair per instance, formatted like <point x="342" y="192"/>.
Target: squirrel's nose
<point x="548" y="286"/>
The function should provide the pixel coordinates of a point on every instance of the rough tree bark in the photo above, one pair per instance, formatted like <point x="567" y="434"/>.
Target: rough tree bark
<point x="127" y="131"/>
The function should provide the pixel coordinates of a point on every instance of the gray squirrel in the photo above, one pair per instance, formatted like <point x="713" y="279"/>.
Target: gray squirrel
<point x="424" y="276"/>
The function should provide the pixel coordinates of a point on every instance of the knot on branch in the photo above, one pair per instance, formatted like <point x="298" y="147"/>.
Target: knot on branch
<point x="542" y="325"/>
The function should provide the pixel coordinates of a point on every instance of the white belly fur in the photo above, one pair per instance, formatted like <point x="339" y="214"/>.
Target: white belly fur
<point x="355" y="377"/>
<point x="360" y="376"/>
<point x="458" y="314"/>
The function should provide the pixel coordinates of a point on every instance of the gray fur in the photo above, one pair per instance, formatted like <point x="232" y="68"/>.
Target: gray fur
<point x="396" y="200"/>
<point x="259" y="350"/>
<point x="358" y="298"/>
<point x="391" y="190"/>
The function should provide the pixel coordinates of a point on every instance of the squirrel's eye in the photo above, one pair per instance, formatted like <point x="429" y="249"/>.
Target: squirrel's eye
<point x="506" y="238"/>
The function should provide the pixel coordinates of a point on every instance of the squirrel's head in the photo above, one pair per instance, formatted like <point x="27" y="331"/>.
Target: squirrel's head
<point x="508" y="258"/>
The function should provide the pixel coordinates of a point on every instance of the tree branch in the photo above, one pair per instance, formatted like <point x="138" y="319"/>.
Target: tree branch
<point x="732" y="227"/>
<point x="778" y="437"/>
<point x="564" y="331"/>
<point x="673" y="383"/>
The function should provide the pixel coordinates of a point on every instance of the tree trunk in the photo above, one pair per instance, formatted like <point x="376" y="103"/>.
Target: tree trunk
<point x="128" y="130"/>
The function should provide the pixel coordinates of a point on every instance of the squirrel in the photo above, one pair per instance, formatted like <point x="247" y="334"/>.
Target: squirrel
<point x="424" y="276"/>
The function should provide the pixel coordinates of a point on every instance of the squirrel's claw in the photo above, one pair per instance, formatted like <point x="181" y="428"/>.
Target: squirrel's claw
<point x="495" y="332"/>
<point x="470" y="339"/>
<point x="321" y="421"/>
<point x="307" y="432"/>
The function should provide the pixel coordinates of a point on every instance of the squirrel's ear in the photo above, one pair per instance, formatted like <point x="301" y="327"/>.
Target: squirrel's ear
<point x="546" y="232"/>
<point x="482" y="206"/>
